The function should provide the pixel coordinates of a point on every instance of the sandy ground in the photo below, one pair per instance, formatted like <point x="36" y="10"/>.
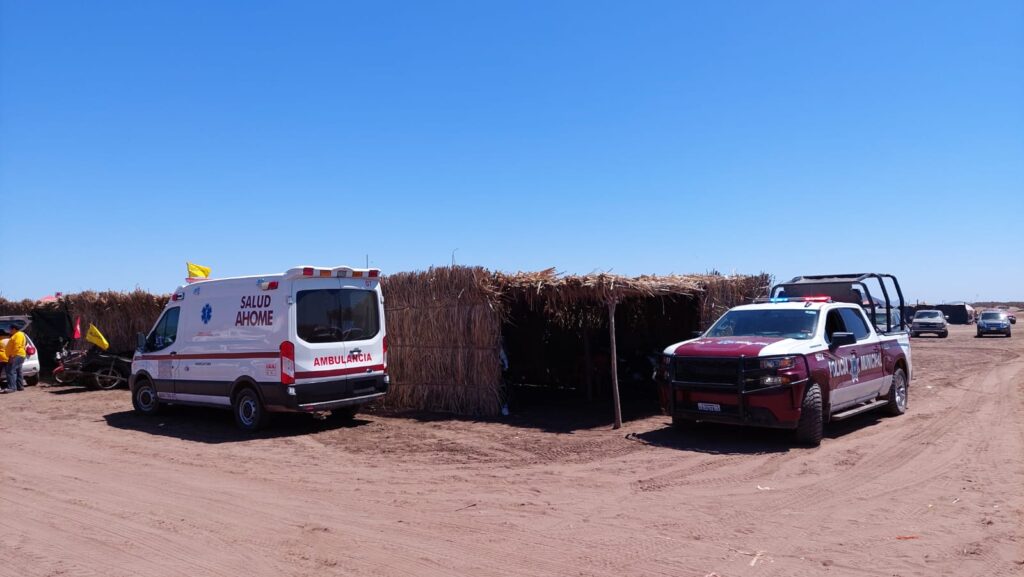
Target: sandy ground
<point x="89" y="488"/>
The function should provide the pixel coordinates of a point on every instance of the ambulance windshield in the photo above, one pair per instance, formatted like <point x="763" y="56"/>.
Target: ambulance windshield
<point x="336" y="315"/>
<point x="786" y="323"/>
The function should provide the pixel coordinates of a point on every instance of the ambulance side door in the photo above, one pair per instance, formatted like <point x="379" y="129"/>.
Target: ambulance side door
<point x="161" y="348"/>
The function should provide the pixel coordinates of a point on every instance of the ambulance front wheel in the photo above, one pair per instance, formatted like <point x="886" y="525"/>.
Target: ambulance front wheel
<point x="250" y="414"/>
<point x="144" y="398"/>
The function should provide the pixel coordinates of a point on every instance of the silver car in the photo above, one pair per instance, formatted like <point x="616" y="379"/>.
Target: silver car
<point x="929" y="321"/>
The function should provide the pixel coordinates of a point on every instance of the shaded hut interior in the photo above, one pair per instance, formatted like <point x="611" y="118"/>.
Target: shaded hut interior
<point x="470" y="341"/>
<point x="563" y="355"/>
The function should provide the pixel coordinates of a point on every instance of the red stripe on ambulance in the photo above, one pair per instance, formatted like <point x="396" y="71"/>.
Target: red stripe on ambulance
<point x="339" y="372"/>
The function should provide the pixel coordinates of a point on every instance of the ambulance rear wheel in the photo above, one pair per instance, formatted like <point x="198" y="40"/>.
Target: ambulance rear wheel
<point x="144" y="398"/>
<point x="810" y="427"/>
<point x="249" y="412"/>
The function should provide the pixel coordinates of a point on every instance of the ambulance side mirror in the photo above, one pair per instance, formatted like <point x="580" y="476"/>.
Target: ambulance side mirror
<point x="140" y="342"/>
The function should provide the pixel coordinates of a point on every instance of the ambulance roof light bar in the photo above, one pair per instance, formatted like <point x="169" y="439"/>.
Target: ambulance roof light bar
<point x="336" y="272"/>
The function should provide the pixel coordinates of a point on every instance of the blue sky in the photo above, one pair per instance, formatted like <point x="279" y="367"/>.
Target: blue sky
<point x="638" y="137"/>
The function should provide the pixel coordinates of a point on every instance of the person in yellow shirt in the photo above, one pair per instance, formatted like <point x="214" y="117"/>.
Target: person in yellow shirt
<point x="15" y="350"/>
<point x="3" y="354"/>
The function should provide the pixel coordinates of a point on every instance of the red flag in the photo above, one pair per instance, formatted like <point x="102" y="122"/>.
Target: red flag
<point x="78" y="327"/>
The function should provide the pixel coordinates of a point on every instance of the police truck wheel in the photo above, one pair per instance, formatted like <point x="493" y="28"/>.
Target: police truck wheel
<point x="943" y="334"/>
<point x="32" y="381"/>
<point x="249" y="412"/>
<point x="144" y="398"/>
<point x="898" y="394"/>
<point x="810" y="427"/>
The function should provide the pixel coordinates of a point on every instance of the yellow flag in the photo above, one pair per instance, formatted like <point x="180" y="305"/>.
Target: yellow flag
<point x="95" y="337"/>
<point x="198" y="271"/>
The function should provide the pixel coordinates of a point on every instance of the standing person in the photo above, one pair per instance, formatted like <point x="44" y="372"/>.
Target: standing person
<point x="15" y="359"/>
<point x="3" y="359"/>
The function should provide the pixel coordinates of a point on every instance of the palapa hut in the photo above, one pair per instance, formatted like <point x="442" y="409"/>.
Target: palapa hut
<point x="461" y="338"/>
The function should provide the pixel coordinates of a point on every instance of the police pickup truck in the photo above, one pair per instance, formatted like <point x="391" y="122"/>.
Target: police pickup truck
<point x="804" y="356"/>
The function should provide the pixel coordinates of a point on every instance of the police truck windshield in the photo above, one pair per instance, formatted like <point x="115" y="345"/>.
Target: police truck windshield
<point x="787" y="324"/>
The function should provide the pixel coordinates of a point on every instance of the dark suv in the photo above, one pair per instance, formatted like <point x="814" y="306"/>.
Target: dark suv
<point x="993" y="323"/>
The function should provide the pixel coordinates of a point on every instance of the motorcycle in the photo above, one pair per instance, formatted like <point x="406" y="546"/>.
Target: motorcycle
<point x="92" y="367"/>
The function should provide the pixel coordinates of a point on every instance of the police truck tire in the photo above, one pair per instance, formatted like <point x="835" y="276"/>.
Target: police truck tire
<point x="898" y="394"/>
<point x="144" y="398"/>
<point x="249" y="412"/>
<point x="809" y="428"/>
<point x="32" y="381"/>
<point x="943" y="334"/>
<point x="345" y="413"/>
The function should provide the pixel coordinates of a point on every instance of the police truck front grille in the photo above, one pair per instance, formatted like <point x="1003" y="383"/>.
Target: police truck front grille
<point x="716" y="371"/>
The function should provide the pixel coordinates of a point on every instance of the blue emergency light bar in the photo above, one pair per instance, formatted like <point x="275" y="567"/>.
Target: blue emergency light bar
<point x="821" y="299"/>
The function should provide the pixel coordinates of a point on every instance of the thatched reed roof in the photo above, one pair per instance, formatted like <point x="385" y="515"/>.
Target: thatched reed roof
<point x="565" y="297"/>
<point x="560" y="289"/>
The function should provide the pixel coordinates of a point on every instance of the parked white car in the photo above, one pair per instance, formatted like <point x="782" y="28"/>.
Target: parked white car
<point x="30" y="369"/>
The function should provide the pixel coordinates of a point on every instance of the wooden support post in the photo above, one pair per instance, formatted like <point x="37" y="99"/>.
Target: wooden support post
<point x="615" y="366"/>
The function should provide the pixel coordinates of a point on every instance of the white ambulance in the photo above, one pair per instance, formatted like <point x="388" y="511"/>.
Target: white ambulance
<point x="311" y="339"/>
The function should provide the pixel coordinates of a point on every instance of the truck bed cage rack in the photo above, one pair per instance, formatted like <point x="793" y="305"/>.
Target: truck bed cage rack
<point x="841" y="288"/>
